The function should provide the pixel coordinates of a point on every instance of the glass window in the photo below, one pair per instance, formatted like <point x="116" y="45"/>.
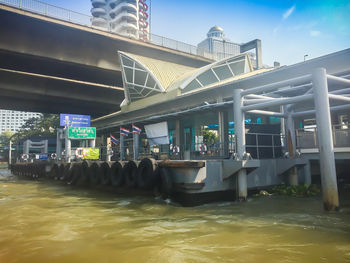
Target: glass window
<point x="223" y="72"/>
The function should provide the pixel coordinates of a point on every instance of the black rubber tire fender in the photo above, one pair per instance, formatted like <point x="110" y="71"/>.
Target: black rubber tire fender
<point x="117" y="176"/>
<point x="84" y="176"/>
<point x="129" y="172"/>
<point x="146" y="177"/>
<point x="105" y="173"/>
<point x="166" y="183"/>
<point x="54" y="171"/>
<point x="60" y="172"/>
<point x="67" y="173"/>
<point x="75" y="173"/>
<point x="93" y="170"/>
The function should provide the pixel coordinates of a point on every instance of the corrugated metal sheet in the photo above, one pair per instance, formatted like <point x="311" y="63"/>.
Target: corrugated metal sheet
<point x="165" y="72"/>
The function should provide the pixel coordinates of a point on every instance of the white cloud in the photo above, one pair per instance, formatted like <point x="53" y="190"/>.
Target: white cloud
<point x="288" y="12"/>
<point x="315" y="33"/>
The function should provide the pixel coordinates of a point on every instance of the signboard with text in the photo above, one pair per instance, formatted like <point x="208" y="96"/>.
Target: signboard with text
<point x="72" y="120"/>
<point x="91" y="153"/>
<point x="81" y="132"/>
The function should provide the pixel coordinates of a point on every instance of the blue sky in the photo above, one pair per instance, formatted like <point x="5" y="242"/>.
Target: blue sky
<point x="288" y="29"/>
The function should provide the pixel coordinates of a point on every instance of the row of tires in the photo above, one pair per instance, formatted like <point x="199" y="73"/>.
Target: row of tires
<point x="145" y="175"/>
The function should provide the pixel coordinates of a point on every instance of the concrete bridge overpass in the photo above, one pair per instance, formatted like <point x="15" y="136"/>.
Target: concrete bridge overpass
<point x="51" y="65"/>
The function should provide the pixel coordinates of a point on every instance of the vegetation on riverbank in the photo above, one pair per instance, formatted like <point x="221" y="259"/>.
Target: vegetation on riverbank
<point x="3" y="165"/>
<point x="302" y="190"/>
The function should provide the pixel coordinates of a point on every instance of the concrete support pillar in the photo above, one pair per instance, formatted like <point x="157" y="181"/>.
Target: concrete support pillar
<point x="307" y="173"/>
<point x="122" y="147"/>
<point x="240" y="142"/>
<point x="223" y="133"/>
<point x="46" y="146"/>
<point x="291" y="144"/>
<point x="59" y="144"/>
<point x="108" y="149"/>
<point x="136" y="143"/>
<point x="92" y="143"/>
<point x="67" y="147"/>
<point x="325" y="140"/>
<point x="26" y="146"/>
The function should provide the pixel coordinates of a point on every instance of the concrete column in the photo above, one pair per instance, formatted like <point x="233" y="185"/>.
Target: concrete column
<point x="92" y="143"/>
<point x="67" y="147"/>
<point x="291" y="144"/>
<point x="307" y="173"/>
<point x="26" y="146"/>
<point x="46" y="146"/>
<point x="223" y="132"/>
<point x="59" y="144"/>
<point x="258" y="53"/>
<point x="108" y="149"/>
<point x="136" y="143"/>
<point x="240" y="142"/>
<point x="122" y="148"/>
<point x="325" y="140"/>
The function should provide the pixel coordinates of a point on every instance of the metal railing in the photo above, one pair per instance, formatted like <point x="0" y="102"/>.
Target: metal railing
<point x="86" y="20"/>
<point x="307" y="138"/>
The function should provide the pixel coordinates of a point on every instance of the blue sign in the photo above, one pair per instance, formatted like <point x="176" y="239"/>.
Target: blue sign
<point x="43" y="156"/>
<point x="73" y="120"/>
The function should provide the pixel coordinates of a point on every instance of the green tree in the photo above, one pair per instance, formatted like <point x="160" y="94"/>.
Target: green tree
<point x="44" y="126"/>
<point x="209" y="137"/>
<point x="4" y="144"/>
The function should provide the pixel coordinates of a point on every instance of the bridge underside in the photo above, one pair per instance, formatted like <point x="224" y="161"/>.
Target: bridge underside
<point x="49" y="65"/>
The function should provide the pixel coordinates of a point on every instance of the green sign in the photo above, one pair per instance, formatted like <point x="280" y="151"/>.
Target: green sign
<point x="81" y="132"/>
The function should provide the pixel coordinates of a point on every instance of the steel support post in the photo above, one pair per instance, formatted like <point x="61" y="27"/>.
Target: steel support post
<point x="325" y="140"/>
<point x="122" y="148"/>
<point x="10" y="152"/>
<point x="136" y="142"/>
<point x="240" y="142"/>
<point x="179" y="137"/>
<point x="223" y="133"/>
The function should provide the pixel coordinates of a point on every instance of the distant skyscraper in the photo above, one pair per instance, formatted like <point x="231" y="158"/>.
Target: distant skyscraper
<point x="13" y="120"/>
<point x="124" y="17"/>
<point x="222" y="47"/>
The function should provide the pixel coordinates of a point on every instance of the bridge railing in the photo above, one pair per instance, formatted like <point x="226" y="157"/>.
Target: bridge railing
<point x="85" y="20"/>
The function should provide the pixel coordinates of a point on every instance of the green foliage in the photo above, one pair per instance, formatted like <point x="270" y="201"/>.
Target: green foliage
<point x="4" y="143"/>
<point x="209" y="137"/>
<point x="44" y="126"/>
<point x="298" y="190"/>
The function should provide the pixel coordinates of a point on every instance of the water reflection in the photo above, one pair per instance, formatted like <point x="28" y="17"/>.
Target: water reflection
<point x="46" y="222"/>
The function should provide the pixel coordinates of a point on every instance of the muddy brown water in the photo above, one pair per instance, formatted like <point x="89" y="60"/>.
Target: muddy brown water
<point x="47" y="222"/>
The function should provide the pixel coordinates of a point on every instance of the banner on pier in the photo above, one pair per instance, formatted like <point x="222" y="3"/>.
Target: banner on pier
<point x="157" y="133"/>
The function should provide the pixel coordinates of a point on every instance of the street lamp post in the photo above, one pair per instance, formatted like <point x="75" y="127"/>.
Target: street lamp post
<point x="305" y="57"/>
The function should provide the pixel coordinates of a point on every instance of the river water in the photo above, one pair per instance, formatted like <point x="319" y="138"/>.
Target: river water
<point x="47" y="222"/>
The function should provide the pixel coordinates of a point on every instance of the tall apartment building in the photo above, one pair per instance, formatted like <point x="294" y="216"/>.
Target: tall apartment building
<point x="124" y="17"/>
<point x="13" y="120"/>
<point x="216" y="43"/>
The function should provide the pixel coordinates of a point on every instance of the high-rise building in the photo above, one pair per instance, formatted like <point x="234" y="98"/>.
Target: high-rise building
<point x="124" y="17"/>
<point x="221" y="47"/>
<point x="13" y="120"/>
